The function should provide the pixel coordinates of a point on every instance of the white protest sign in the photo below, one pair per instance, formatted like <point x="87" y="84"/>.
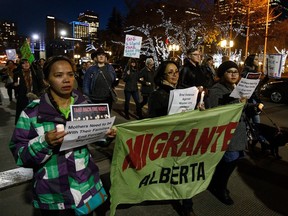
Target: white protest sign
<point x="80" y="133"/>
<point x="275" y="65"/>
<point x="11" y="54"/>
<point x="182" y="100"/>
<point x="245" y="88"/>
<point x="132" y="46"/>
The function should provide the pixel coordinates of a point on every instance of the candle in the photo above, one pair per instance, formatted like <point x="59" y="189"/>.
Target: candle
<point x="18" y="80"/>
<point x="202" y="97"/>
<point x="59" y="127"/>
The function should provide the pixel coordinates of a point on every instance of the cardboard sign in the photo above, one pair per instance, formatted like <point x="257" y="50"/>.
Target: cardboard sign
<point x="182" y="100"/>
<point x="132" y="46"/>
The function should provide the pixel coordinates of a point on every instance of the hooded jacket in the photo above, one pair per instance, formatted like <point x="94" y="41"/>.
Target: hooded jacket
<point x="62" y="180"/>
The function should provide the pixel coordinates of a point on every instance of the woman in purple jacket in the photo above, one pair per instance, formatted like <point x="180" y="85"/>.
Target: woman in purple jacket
<point x="66" y="180"/>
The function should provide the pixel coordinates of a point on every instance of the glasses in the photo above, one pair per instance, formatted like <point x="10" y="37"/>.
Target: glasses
<point x="232" y="72"/>
<point x="171" y="73"/>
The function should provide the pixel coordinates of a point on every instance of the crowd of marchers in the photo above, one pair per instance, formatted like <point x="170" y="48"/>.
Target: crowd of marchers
<point x="65" y="181"/>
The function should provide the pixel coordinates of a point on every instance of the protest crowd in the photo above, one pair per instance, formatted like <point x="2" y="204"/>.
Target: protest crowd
<point x="60" y="109"/>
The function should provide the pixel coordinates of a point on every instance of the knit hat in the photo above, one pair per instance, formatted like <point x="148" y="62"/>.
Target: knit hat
<point x="226" y="66"/>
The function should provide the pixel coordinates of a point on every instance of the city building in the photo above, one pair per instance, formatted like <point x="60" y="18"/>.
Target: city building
<point x="92" y="19"/>
<point x="55" y="31"/>
<point x="9" y="39"/>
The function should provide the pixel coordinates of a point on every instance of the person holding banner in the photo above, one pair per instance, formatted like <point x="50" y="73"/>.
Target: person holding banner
<point x="66" y="181"/>
<point x="166" y="79"/>
<point x="219" y="95"/>
<point x="130" y="77"/>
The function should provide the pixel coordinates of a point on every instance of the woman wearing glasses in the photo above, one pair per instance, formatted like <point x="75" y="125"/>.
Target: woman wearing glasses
<point x="166" y="80"/>
<point x="219" y="95"/>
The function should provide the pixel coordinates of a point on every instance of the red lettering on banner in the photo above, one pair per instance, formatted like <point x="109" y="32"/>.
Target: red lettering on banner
<point x="153" y="155"/>
<point x="175" y="144"/>
<point x="228" y="135"/>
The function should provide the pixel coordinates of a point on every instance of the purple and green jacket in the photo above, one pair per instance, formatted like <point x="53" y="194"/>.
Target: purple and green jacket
<point x="62" y="180"/>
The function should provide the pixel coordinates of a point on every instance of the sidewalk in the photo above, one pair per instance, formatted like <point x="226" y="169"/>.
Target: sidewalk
<point x="258" y="186"/>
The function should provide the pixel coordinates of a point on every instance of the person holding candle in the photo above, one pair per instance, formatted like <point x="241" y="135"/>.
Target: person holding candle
<point x="8" y="72"/>
<point x="29" y="84"/>
<point x="62" y="181"/>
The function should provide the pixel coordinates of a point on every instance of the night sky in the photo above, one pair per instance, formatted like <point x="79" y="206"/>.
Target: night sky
<point x="30" y="15"/>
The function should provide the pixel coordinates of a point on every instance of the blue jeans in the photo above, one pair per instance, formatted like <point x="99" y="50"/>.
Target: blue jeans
<point x="135" y="96"/>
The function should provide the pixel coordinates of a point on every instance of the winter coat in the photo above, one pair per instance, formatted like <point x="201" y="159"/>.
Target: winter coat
<point x="61" y="180"/>
<point x="90" y="79"/>
<point x="147" y="84"/>
<point x="158" y="101"/>
<point x="131" y="80"/>
<point x="191" y="75"/>
<point x="219" y="95"/>
<point x="37" y="89"/>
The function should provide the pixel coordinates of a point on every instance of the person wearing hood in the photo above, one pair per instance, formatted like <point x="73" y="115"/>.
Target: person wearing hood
<point x="62" y="180"/>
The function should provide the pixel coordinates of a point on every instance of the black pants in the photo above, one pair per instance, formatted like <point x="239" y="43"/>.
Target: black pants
<point x="222" y="174"/>
<point x="145" y="100"/>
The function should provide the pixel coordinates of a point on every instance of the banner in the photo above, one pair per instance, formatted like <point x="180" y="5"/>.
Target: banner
<point x="132" y="46"/>
<point x="26" y="52"/>
<point x="170" y="157"/>
<point x="276" y="65"/>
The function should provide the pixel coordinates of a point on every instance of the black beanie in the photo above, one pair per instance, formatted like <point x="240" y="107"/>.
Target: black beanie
<point x="226" y="66"/>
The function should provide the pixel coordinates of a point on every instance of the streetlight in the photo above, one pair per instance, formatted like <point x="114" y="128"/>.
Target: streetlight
<point x="35" y="37"/>
<point x="76" y="57"/>
<point x="227" y="44"/>
<point x="173" y="48"/>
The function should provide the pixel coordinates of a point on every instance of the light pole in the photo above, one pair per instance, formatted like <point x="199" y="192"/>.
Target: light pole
<point x="266" y="35"/>
<point x="173" y="48"/>
<point x="227" y="44"/>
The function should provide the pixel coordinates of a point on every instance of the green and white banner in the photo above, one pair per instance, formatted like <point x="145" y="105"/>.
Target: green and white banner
<point x="170" y="157"/>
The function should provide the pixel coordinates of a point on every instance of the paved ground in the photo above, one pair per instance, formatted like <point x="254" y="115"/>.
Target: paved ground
<point x="259" y="186"/>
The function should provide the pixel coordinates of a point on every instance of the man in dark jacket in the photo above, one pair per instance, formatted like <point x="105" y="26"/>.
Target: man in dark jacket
<point x="99" y="79"/>
<point x="191" y="73"/>
<point x="146" y="78"/>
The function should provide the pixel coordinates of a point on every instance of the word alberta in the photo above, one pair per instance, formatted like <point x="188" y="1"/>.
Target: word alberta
<point x="176" y="175"/>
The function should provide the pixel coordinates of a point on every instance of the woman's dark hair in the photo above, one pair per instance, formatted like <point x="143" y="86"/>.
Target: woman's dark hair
<point x="50" y="61"/>
<point x="8" y="61"/>
<point x="23" y="61"/>
<point x="249" y="60"/>
<point x="206" y="59"/>
<point x="160" y="74"/>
